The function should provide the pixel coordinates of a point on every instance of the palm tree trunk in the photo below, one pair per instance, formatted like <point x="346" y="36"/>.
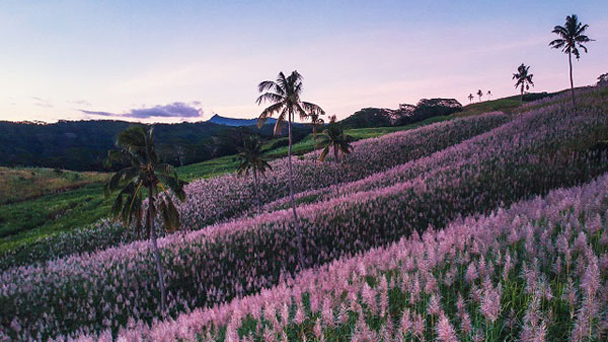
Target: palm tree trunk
<point x="255" y="189"/>
<point x="159" y="267"/>
<point x="522" y="94"/>
<point x="293" y="202"/>
<point x="314" y="142"/>
<point x="571" y="80"/>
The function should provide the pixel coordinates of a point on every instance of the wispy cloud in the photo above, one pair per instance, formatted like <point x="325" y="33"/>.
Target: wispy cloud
<point x="172" y="110"/>
<point x="91" y="112"/>
<point x="38" y="101"/>
<point x="80" y="102"/>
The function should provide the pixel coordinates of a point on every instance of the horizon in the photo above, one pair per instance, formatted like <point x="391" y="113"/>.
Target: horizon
<point x="169" y="63"/>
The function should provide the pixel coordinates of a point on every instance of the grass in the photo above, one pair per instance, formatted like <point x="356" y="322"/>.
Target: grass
<point x="21" y="223"/>
<point x="21" y="184"/>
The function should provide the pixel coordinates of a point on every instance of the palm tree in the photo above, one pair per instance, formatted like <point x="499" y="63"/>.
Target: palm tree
<point x="571" y="39"/>
<point x="471" y="97"/>
<point x="490" y="94"/>
<point x="284" y="94"/>
<point x="524" y="79"/>
<point x="315" y="121"/>
<point x="480" y="94"/>
<point x="146" y="176"/>
<point x="251" y="159"/>
<point x="335" y="138"/>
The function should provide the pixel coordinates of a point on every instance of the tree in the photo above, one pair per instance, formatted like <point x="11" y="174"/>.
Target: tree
<point x="251" y="159"/>
<point x="571" y="39"/>
<point x="480" y="94"/>
<point x="284" y="94"/>
<point x="489" y="94"/>
<point x="145" y="176"/>
<point x="523" y="78"/>
<point x="334" y="138"/>
<point x="602" y="81"/>
<point x="471" y="97"/>
<point x="315" y="121"/>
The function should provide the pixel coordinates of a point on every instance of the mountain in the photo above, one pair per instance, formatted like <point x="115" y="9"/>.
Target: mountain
<point x="406" y="114"/>
<point x="220" y="120"/>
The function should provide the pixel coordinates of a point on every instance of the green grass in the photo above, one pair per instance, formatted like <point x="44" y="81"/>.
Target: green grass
<point x="26" y="221"/>
<point x="503" y="105"/>
<point x="21" y="184"/>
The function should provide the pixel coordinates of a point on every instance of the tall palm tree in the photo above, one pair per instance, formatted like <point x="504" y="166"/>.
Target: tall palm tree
<point x="334" y="138"/>
<point x="571" y="39"/>
<point x="480" y="94"/>
<point x="471" y="97"/>
<point x="146" y="176"/>
<point x="524" y="79"/>
<point x="251" y="159"/>
<point x="284" y="94"/>
<point x="490" y="94"/>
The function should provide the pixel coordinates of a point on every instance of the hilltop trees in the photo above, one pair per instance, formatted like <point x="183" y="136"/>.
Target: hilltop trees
<point x="284" y="94"/>
<point x="490" y="94"/>
<point x="251" y="159"/>
<point x="524" y="79"/>
<point x="471" y="97"/>
<point x="571" y="39"/>
<point x="146" y="174"/>
<point x="479" y="94"/>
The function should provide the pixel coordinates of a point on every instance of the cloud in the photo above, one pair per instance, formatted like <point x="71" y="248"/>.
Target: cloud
<point x="42" y="102"/>
<point x="80" y="102"/>
<point x="172" y="110"/>
<point x="91" y="112"/>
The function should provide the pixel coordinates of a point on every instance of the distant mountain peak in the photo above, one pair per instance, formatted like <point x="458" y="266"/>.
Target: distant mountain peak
<point x="221" y="120"/>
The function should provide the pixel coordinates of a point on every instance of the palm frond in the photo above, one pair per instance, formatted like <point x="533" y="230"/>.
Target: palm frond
<point x="269" y="112"/>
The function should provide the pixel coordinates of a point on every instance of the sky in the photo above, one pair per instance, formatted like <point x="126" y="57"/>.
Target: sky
<point x="173" y="61"/>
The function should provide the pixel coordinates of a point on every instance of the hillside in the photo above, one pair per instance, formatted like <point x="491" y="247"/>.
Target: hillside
<point x="472" y="166"/>
<point x="53" y="214"/>
<point x="83" y="145"/>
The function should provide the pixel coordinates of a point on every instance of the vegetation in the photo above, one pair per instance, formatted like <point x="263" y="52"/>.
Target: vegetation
<point x="145" y="175"/>
<point x="524" y="79"/>
<point x="284" y="94"/>
<point x="217" y="199"/>
<point x="251" y="159"/>
<point x="534" y="153"/>
<point x="21" y="184"/>
<point x="405" y="115"/>
<point x="334" y="138"/>
<point x="83" y="145"/>
<point x="571" y="38"/>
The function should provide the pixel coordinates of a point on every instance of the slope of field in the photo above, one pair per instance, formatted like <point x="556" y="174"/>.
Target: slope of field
<point x="21" y="184"/>
<point x="45" y="217"/>
<point x="533" y="272"/>
<point x="105" y="290"/>
<point x="230" y="196"/>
